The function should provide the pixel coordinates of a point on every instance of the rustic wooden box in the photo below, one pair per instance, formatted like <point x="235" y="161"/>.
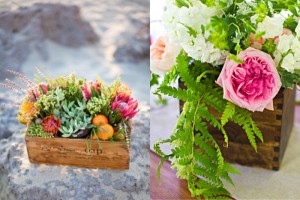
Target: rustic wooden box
<point x="276" y="127"/>
<point x="74" y="152"/>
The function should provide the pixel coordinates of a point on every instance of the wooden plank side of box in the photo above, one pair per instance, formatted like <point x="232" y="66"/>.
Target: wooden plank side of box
<point x="276" y="127"/>
<point x="74" y="152"/>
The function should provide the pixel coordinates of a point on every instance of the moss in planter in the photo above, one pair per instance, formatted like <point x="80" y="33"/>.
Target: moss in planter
<point x="36" y="130"/>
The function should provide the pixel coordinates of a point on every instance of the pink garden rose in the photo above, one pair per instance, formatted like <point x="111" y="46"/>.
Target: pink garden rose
<point x="251" y="85"/>
<point x="163" y="55"/>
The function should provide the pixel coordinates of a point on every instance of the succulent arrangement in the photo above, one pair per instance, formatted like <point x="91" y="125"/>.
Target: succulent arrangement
<point x="70" y="107"/>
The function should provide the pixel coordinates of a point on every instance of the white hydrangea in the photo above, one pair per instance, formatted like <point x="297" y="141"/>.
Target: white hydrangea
<point x="285" y="42"/>
<point x="177" y="20"/>
<point x="272" y="26"/>
<point x="288" y="63"/>
<point x="245" y="7"/>
<point x="277" y="57"/>
<point x="297" y="30"/>
<point x="296" y="47"/>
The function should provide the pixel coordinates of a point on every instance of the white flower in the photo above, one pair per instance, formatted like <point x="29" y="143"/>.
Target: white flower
<point x="178" y="21"/>
<point x="285" y="42"/>
<point x="297" y="30"/>
<point x="272" y="26"/>
<point x="296" y="48"/>
<point x="297" y="65"/>
<point x="189" y="17"/>
<point x="254" y="18"/>
<point x="288" y="63"/>
<point x="277" y="57"/>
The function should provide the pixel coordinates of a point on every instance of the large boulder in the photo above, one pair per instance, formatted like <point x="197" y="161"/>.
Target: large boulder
<point x="22" y="180"/>
<point x="31" y="26"/>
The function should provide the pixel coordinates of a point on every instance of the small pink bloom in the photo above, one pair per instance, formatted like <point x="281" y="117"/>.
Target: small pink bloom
<point x="86" y="92"/>
<point x="256" y="43"/>
<point x="163" y="55"/>
<point x="36" y="92"/>
<point x="96" y="86"/>
<point x="127" y="105"/>
<point x="87" y="89"/>
<point x="251" y="85"/>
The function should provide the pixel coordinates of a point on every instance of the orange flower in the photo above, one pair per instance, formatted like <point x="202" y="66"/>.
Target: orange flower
<point x="28" y="111"/>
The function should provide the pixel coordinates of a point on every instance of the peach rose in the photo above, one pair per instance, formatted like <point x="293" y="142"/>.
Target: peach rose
<point x="163" y="55"/>
<point x="253" y="84"/>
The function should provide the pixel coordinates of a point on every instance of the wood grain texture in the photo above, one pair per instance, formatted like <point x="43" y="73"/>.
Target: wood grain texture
<point x="276" y="127"/>
<point x="170" y="186"/>
<point x="74" y="152"/>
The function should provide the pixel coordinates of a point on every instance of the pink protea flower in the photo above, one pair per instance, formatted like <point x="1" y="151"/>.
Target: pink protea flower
<point x="51" y="124"/>
<point x="87" y="89"/>
<point x="126" y="104"/>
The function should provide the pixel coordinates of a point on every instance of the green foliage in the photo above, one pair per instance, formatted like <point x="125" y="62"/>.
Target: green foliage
<point x="262" y="11"/>
<point x="269" y="46"/>
<point x="73" y="90"/>
<point x="36" y="130"/>
<point x="50" y="100"/>
<point x="288" y="79"/>
<point x="290" y="23"/>
<point x="181" y="3"/>
<point x="96" y="105"/>
<point x="154" y="79"/>
<point x="228" y="113"/>
<point x="195" y="154"/>
<point x="218" y="33"/>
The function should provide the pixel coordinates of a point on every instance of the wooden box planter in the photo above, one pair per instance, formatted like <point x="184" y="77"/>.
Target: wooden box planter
<point x="75" y="152"/>
<point x="276" y="127"/>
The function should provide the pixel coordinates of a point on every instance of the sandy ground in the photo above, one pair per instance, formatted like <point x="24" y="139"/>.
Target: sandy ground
<point x="109" y="19"/>
<point x="95" y="60"/>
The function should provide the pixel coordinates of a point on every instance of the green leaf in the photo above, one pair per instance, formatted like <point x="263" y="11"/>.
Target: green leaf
<point x="218" y="33"/>
<point x="235" y="58"/>
<point x="154" y="79"/>
<point x="228" y="113"/>
<point x="269" y="46"/>
<point x="181" y="3"/>
<point x="287" y="78"/>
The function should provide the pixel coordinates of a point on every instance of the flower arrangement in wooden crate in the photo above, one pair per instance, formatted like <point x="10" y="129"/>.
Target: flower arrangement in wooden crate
<point x="232" y="58"/>
<point x="70" y="107"/>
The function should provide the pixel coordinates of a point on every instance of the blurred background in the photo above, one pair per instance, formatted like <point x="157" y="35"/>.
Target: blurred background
<point x="253" y="183"/>
<point x="92" y="39"/>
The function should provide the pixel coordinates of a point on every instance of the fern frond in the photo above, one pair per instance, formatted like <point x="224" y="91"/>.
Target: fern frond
<point x="179" y="93"/>
<point x="228" y="113"/>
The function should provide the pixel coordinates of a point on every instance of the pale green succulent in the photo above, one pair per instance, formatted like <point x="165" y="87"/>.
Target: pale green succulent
<point x="51" y="100"/>
<point x="73" y="118"/>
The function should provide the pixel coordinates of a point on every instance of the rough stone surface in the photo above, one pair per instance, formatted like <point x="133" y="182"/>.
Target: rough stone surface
<point x="21" y="180"/>
<point x="29" y="27"/>
<point x="8" y="113"/>
<point x="136" y="43"/>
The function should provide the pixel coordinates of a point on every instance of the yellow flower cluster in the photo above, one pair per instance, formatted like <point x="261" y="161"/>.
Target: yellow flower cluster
<point x="27" y="112"/>
<point x="124" y="89"/>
